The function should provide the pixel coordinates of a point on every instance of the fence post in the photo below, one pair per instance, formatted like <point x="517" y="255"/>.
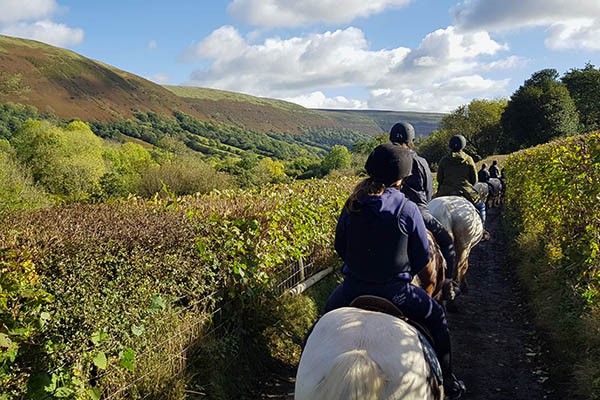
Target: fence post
<point x="301" y="266"/>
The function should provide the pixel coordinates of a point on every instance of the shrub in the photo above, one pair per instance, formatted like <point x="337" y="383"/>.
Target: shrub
<point x="17" y="191"/>
<point x="148" y="292"/>
<point x="182" y="175"/>
<point x="553" y="214"/>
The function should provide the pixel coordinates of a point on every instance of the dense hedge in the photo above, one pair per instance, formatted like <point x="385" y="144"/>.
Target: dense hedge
<point x="552" y="206"/>
<point x="95" y="299"/>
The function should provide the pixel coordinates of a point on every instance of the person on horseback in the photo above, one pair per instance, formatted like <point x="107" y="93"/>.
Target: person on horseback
<point x="418" y="187"/>
<point x="457" y="174"/>
<point x="382" y="239"/>
<point x="494" y="170"/>
<point x="483" y="175"/>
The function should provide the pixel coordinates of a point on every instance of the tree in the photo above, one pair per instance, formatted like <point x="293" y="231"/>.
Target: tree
<point x="584" y="87"/>
<point x="67" y="162"/>
<point x="434" y="147"/>
<point x="338" y="158"/>
<point x="17" y="190"/>
<point x="479" y="123"/>
<point x="126" y="163"/>
<point x="539" y="111"/>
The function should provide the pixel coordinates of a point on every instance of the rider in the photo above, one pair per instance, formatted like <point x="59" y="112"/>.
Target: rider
<point x="457" y="174"/>
<point x="418" y="187"/>
<point x="483" y="175"/>
<point x="494" y="170"/>
<point x="381" y="238"/>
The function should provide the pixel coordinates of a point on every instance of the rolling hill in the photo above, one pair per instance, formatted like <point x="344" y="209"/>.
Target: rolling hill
<point x="68" y="85"/>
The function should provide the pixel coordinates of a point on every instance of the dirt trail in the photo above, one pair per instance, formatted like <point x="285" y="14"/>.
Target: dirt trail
<point x="496" y="349"/>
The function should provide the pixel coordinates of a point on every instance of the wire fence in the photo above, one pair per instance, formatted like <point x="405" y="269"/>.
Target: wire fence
<point x="293" y="278"/>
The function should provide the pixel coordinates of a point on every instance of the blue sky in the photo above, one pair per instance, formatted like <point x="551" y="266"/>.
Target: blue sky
<point x="408" y="55"/>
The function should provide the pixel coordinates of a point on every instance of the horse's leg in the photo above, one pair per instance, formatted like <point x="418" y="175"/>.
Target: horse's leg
<point x="431" y="278"/>
<point x="461" y="271"/>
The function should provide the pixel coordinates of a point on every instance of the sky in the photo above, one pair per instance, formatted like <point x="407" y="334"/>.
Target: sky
<point x="403" y="55"/>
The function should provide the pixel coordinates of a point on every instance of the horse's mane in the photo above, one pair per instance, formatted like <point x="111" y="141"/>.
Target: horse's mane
<point x="357" y="367"/>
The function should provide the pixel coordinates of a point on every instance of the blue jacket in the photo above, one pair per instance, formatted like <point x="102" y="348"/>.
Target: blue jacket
<point x="385" y="240"/>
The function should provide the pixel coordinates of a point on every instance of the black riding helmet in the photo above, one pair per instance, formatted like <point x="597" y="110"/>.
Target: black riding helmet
<point x="457" y="142"/>
<point x="388" y="163"/>
<point x="402" y="132"/>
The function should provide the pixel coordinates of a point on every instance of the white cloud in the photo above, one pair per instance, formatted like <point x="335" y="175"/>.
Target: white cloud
<point x="507" y="63"/>
<point x="290" y="13"/>
<point x="570" y="22"/>
<point x="443" y="72"/>
<point x="225" y="43"/>
<point x="23" y="10"/>
<point x="445" y="45"/>
<point x="583" y="34"/>
<point x="282" y="67"/>
<point x="160" y="78"/>
<point x="319" y="100"/>
<point x="32" y="19"/>
<point x="45" y="31"/>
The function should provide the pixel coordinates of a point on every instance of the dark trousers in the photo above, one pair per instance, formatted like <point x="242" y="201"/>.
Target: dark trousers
<point x="413" y="301"/>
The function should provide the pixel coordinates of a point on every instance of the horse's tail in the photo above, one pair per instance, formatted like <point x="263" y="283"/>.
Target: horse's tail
<point x="354" y="376"/>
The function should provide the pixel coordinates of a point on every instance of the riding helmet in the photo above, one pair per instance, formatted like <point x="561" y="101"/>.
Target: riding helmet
<point x="388" y="163"/>
<point x="457" y="142"/>
<point x="402" y="132"/>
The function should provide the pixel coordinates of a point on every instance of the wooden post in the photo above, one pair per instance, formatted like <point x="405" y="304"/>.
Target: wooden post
<point x="301" y="266"/>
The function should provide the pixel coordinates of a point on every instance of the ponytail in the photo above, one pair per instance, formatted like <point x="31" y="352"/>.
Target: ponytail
<point x="366" y="187"/>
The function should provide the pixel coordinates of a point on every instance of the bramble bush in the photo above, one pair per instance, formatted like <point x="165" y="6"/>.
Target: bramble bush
<point x="135" y="285"/>
<point x="552" y="207"/>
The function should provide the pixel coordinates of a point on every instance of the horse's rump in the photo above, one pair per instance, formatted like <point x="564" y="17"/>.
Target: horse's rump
<point x="460" y="217"/>
<point x="358" y="354"/>
<point x="495" y="186"/>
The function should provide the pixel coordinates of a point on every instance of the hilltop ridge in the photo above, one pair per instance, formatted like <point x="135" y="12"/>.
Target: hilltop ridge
<point x="69" y="85"/>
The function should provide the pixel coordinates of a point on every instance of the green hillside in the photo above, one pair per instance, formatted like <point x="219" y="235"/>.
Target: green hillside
<point x="424" y="123"/>
<point x="69" y="85"/>
<point x="119" y="105"/>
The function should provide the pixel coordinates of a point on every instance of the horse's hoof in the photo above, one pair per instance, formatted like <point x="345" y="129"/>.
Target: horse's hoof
<point x="450" y="290"/>
<point x="486" y="236"/>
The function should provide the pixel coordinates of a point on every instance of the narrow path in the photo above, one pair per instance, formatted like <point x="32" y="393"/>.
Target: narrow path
<point x="496" y="349"/>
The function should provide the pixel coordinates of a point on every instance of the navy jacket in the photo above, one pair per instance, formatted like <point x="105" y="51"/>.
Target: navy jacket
<point x="418" y="186"/>
<point x="385" y="240"/>
<point x="494" y="172"/>
<point x="483" y="175"/>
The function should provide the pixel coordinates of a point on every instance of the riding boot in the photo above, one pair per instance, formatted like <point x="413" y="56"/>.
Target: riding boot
<point x="480" y="206"/>
<point x="454" y="388"/>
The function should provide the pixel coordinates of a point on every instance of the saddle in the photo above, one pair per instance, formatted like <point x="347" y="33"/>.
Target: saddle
<point x="380" y="304"/>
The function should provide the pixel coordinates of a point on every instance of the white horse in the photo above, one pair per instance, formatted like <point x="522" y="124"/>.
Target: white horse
<point x="460" y="217"/>
<point x="354" y="354"/>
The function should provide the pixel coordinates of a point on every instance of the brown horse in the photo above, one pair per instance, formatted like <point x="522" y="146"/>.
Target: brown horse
<point x="431" y="278"/>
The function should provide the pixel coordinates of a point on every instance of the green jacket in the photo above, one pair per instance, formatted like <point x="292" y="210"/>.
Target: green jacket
<point x="456" y="175"/>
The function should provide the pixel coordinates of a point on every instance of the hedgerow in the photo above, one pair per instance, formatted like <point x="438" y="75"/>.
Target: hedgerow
<point x="553" y="192"/>
<point x="151" y="299"/>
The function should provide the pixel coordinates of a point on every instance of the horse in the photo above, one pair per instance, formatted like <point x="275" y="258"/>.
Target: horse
<point x="432" y="276"/>
<point x="483" y="190"/>
<point x="461" y="219"/>
<point x="357" y="354"/>
<point x="491" y="193"/>
<point x="496" y="197"/>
